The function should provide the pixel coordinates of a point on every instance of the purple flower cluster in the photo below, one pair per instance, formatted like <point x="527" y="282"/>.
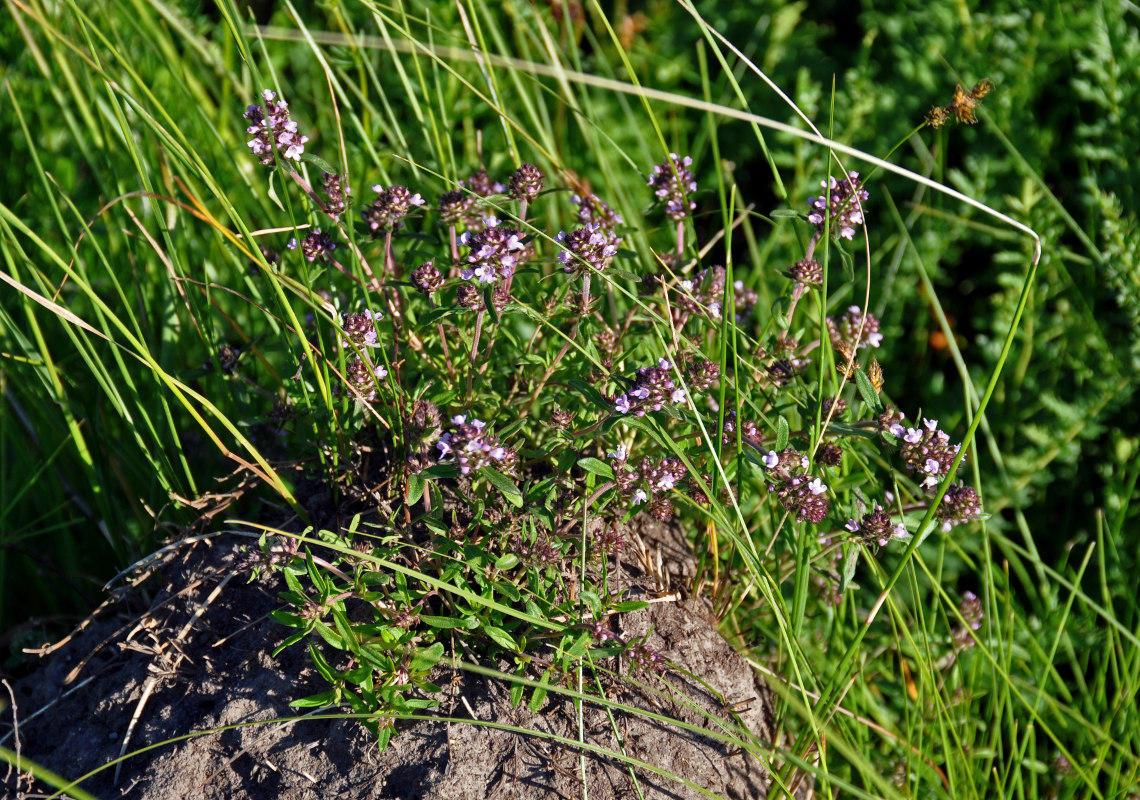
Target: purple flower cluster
<point x="673" y="182"/>
<point x="653" y="388"/>
<point x="525" y="183"/>
<point x="749" y="430"/>
<point x="475" y="215"/>
<point x="704" y="294"/>
<point x="361" y="375"/>
<point x="643" y="483"/>
<point x="643" y="658"/>
<point x="494" y="253"/>
<point x="592" y="210"/>
<point x="337" y="193"/>
<point x="427" y="278"/>
<point x="807" y="272"/>
<point x="588" y="249"/>
<point x="797" y="490"/>
<point x="541" y="553"/>
<point x="844" y="201"/>
<point x="927" y="450"/>
<point x="472" y="445"/>
<point x="959" y="505"/>
<point x="453" y="206"/>
<point x="702" y="374"/>
<point x="847" y="330"/>
<point x="972" y="614"/>
<point x="317" y="246"/>
<point x="481" y="184"/>
<point x="388" y="210"/>
<point x="359" y="330"/>
<point x="876" y="527"/>
<point x="272" y="130"/>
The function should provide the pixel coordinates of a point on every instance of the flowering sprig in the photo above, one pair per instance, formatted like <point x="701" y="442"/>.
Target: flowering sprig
<point x="525" y="183"/>
<point x="472" y="445"/>
<point x="844" y="201"/>
<point x="361" y="375"/>
<point x="648" y="481"/>
<point x="972" y="614"/>
<point x="926" y="451"/>
<point x="704" y="293"/>
<point x="359" y="329"/>
<point x="337" y="191"/>
<point x="387" y="212"/>
<point x="494" y="253"/>
<point x="855" y="329"/>
<point x="592" y="210"/>
<point x="317" y="246"/>
<point x="653" y="388"/>
<point x="586" y="250"/>
<point x="673" y="182"/>
<point x="273" y="131"/>
<point x="959" y="505"/>
<point x="875" y="527"/>
<point x="798" y="491"/>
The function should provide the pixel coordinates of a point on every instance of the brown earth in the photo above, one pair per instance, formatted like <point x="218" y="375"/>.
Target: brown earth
<point x="199" y="658"/>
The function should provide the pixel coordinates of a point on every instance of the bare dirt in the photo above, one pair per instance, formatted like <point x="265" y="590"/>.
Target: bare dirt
<point x="199" y="658"/>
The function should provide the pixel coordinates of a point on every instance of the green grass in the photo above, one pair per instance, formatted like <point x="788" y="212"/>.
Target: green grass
<point x="999" y="258"/>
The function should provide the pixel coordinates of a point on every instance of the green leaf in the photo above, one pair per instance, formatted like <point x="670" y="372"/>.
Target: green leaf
<point x="596" y="467"/>
<point x="782" y="433"/>
<point x="328" y="698"/>
<point x="328" y="635"/>
<point x="849" y="565"/>
<point x="319" y="162"/>
<point x="416" y="484"/>
<point x="582" y="644"/>
<point x="504" y="484"/>
<point x="589" y="392"/>
<point x="870" y="396"/>
<point x="289" y="641"/>
<point x="322" y="664"/>
<point x="629" y="605"/>
<point x="442" y="622"/>
<point x="508" y="561"/>
<point x="540" y="691"/>
<point x="517" y="688"/>
<point x="424" y="660"/>
<point x="500" y="637"/>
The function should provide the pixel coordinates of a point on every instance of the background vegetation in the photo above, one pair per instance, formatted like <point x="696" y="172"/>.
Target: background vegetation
<point x="128" y="180"/>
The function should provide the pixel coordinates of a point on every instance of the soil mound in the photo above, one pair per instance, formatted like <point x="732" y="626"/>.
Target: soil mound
<point x="199" y="658"/>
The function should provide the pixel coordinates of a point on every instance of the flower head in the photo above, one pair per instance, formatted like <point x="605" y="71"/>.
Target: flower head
<point x="855" y="329"/>
<point x="317" y="246"/>
<point x="495" y="252"/>
<point x="959" y="505"/>
<point x="387" y="212"/>
<point x="843" y="200"/>
<point x="588" y="249"/>
<point x="525" y="183"/>
<point x="673" y="183"/>
<point x="337" y="193"/>
<point x="359" y="329"/>
<point x="273" y="131"/>
<point x="472" y="445"/>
